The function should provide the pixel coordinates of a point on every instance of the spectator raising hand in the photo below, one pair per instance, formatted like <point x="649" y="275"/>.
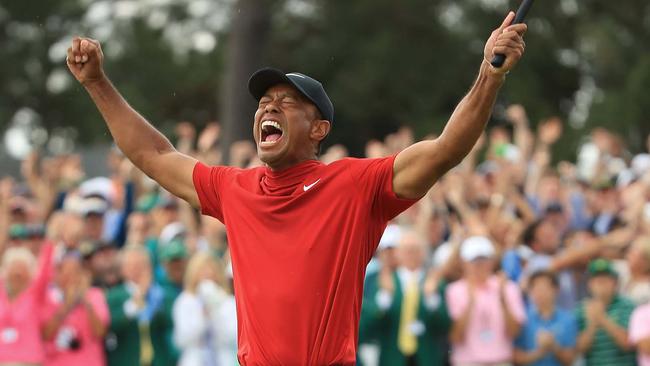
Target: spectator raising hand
<point x="76" y="319"/>
<point x="549" y="131"/>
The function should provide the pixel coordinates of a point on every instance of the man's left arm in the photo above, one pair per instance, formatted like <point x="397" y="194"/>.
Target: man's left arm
<point x="418" y="167"/>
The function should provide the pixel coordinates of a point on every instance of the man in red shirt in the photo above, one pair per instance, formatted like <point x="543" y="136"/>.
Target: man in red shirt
<point x="300" y="232"/>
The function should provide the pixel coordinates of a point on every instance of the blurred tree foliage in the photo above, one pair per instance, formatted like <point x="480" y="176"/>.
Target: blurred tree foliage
<point x="385" y="63"/>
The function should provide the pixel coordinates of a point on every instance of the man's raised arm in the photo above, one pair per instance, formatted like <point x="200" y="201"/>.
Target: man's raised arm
<point x="145" y="146"/>
<point x="418" y="167"/>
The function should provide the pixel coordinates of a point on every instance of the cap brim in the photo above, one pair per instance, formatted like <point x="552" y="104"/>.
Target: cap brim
<point x="480" y="257"/>
<point x="612" y="274"/>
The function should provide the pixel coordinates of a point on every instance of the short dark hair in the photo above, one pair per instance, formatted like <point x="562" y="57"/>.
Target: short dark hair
<point x="528" y="235"/>
<point x="543" y="274"/>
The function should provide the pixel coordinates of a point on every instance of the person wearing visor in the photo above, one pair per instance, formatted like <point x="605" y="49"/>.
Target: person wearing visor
<point x="486" y="309"/>
<point x="300" y="232"/>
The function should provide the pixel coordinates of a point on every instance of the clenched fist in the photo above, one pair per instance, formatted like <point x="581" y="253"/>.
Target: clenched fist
<point x="507" y="40"/>
<point x="85" y="60"/>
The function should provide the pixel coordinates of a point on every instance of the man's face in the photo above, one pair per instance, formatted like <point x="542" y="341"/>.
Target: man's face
<point x="410" y="252"/>
<point x="549" y="188"/>
<point x="478" y="269"/>
<point x="103" y="260"/>
<point x="287" y="136"/>
<point x="603" y="287"/>
<point x="547" y="237"/>
<point x="558" y="220"/>
<point x="18" y="275"/>
<point x="94" y="225"/>
<point x="175" y="270"/>
<point x="105" y="267"/>
<point x="135" y="265"/>
<point x="542" y="292"/>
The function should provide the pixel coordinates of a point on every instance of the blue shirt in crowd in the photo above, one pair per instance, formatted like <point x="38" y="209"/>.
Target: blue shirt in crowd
<point x="562" y="324"/>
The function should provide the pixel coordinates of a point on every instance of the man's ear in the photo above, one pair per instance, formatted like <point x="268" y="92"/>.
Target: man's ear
<point x="320" y="129"/>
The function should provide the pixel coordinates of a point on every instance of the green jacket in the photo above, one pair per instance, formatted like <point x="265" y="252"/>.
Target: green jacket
<point x="432" y="343"/>
<point x="123" y="340"/>
<point x="368" y="324"/>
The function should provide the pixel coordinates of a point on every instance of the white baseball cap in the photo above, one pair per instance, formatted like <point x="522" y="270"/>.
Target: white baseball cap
<point x="640" y="164"/>
<point x="390" y="238"/>
<point x="172" y="231"/>
<point x="93" y="205"/>
<point x="476" y="247"/>
<point x="442" y="254"/>
<point x="98" y="186"/>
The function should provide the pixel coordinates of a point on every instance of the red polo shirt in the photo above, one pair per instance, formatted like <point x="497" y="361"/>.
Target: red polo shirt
<point x="300" y="240"/>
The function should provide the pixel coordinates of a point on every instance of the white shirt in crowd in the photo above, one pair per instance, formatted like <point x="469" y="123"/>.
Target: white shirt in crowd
<point x="205" y="327"/>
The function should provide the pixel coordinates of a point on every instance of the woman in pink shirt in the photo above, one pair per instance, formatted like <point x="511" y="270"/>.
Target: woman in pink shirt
<point x="76" y="318"/>
<point x="639" y="333"/>
<point x="487" y="310"/>
<point x="22" y="296"/>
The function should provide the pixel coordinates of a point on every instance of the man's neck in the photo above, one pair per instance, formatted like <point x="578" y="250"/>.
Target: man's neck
<point x="478" y="281"/>
<point x="280" y="166"/>
<point x="606" y="300"/>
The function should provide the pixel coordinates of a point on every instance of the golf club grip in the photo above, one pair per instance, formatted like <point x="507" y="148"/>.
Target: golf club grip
<point x="499" y="59"/>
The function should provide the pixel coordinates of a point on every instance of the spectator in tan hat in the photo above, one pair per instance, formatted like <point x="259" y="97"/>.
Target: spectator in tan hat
<point x="640" y="334"/>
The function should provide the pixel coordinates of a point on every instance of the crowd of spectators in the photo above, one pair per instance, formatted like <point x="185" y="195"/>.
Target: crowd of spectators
<point x="518" y="260"/>
<point x="512" y="258"/>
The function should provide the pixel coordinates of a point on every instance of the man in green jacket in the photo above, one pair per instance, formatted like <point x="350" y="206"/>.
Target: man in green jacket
<point x="141" y="322"/>
<point x="408" y="310"/>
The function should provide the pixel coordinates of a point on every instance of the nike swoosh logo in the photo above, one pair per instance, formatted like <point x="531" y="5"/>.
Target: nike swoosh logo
<point x="306" y="188"/>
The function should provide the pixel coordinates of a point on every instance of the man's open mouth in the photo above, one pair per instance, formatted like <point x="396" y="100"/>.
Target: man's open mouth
<point x="271" y="132"/>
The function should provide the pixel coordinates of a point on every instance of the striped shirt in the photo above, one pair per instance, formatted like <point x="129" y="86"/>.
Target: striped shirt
<point x="604" y="351"/>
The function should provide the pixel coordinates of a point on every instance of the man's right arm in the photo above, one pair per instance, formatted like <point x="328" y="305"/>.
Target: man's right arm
<point x="145" y="146"/>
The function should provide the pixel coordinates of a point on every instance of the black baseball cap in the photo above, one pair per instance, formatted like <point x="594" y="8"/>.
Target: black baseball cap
<point x="312" y="89"/>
